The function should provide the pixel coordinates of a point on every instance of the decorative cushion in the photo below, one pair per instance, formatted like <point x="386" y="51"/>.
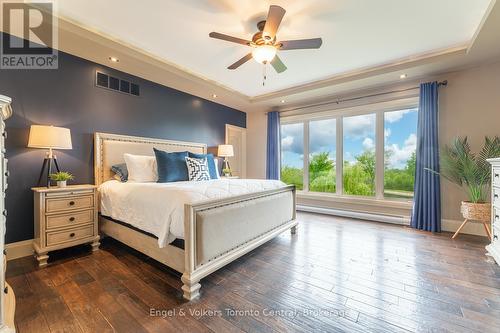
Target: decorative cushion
<point x="171" y="166"/>
<point x="217" y="172"/>
<point x="121" y="171"/>
<point x="141" y="168"/>
<point x="197" y="169"/>
<point x="212" y="169"/>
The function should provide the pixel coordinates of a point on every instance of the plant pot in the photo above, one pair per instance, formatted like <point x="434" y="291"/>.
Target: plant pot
<point x="476" y="211"/>
<point x="61" y="183"/>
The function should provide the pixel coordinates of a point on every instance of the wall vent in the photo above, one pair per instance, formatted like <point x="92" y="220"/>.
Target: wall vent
<point x="113" y="83"/>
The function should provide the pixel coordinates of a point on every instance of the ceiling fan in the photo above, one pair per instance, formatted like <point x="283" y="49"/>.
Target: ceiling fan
<point x="264" y="43"/>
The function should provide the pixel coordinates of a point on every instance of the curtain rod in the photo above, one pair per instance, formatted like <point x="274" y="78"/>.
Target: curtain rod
<point x="338" y="101"/>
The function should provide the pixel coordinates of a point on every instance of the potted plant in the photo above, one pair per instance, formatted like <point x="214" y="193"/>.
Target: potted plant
<point x="472" y="173"/>
<point x="226" y="172"/>
<point x="61" y="178"/>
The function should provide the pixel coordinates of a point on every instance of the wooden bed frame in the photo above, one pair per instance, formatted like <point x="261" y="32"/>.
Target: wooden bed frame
<point x="109" y="150"/>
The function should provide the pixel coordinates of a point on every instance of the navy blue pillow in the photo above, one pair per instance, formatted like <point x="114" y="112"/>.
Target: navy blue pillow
<point x="121" y="170"/>
<point x="171" y="166"/>
<point x="212" y="170"/>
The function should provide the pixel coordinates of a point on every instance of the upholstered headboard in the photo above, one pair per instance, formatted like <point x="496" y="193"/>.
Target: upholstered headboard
<point x="109" y="150"/>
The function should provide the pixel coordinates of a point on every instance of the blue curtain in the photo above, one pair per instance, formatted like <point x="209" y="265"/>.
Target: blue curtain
<point x="273" y="146"/>
<point x="426" y="213"/>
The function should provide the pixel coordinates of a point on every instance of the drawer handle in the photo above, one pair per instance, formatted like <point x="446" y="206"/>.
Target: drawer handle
<point x="7" y="173"/>
<point x="71" y="203"/>
<point x="495" y="237"/>
<point x="496" y="217"/>
<point x="495" y="196"/>
<point x="497" y="175"/>
<point x="4" y="212"/>
<point x="72" y="234"/>
<point x="72" y="218"/>
<point x="4" y="134"/>
<point x="6" y="290"/>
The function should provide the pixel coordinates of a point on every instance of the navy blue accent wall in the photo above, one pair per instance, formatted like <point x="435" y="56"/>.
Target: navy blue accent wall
<point x="67" y="97"/>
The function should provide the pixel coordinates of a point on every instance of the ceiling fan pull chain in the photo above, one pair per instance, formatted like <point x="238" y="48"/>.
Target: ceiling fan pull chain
<point x="264" y="74"/>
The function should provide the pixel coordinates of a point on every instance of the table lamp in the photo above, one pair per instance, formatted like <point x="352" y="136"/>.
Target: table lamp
<point x="49" y="137"/>
<point x="226" y="151"/>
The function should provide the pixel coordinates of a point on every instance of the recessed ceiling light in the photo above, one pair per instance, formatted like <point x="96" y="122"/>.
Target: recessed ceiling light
<point x="214" y="95"/>
<point x="403" y="76"/>
<point x="282" y="101"/>
<point x="114" y="59"/>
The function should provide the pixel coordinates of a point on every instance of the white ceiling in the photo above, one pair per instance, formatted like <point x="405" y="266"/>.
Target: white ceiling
<point x="357" y="34"/>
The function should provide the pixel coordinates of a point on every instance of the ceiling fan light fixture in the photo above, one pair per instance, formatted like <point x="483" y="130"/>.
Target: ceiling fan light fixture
<point x="264" y="53"/>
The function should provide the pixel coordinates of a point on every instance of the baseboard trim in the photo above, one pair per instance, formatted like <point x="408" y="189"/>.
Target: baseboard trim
<point x="401" y="220"/>
<point x="19" y="249"/>
<point x="471" y="228"/>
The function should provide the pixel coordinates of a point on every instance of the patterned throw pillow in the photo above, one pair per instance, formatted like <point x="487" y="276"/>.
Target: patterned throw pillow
<point x="197" y="169"/>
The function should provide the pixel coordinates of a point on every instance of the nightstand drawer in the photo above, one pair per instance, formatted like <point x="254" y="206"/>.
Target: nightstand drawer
<point x="69" y="219"/>
<point x="61" y="237"/>
<point x="61" y="204"/>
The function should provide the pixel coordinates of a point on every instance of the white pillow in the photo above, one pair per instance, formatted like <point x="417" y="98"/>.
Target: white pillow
<point x="141" y="168"/>
<point x="216" y="161"/>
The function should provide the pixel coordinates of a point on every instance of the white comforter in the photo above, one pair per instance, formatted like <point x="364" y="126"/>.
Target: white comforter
<point x="158" y="208"/>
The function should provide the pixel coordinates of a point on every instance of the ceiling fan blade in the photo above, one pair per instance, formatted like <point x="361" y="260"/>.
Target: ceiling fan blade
<point x="241" y="61"/>
<point x="232" y="39"/>
<point x="278" y="65"/>
<point x="273" y="21"/>
<point x="313" y="43"/>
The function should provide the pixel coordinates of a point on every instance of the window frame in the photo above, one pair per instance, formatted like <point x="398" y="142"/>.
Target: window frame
<point x="379" y="109"/>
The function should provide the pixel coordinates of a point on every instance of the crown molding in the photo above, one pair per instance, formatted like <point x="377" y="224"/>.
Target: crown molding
<point x="392" y="66"/>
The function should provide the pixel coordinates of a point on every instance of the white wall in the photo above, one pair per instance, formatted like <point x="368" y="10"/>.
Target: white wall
<point x="256" y="144"/>
<point x="469" y="106"/>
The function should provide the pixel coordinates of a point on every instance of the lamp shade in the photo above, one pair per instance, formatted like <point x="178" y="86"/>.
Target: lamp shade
<point x="225" y="151"/>
<point x="49" y="137"/>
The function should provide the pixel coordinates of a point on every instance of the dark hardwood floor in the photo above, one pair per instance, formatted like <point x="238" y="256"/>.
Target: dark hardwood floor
<point x="334" y="275"/>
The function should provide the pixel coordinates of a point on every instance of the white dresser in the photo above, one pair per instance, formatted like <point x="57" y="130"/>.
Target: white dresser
<point x="494" y="247"/>
<point x="7" y="298"/>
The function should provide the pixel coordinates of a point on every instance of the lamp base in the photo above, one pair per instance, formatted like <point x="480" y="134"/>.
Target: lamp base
<point x="47" y="164"/>
<point x="227" y="167"/>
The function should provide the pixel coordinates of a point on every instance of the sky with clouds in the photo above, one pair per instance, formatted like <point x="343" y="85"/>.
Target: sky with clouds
<point x="400" y="129"/>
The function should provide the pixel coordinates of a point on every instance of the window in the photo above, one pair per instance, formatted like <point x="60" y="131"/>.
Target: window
<point x="400" y="133"/>
<point x="292" y="154"/>
<point x="366" y="151"/>
<point x="359" y="155"/>
<point x="322" y="152"/>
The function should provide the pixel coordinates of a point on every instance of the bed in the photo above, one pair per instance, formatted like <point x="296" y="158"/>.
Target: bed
<point x="209" y="224"/>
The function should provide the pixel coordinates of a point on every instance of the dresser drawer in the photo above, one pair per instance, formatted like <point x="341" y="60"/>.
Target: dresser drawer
<point x="61" y="237"/>
<point x="496" y="233"/>
<point x="69" y="203"/>
<point x="69" y="219"/>
<point x="496" y="197"/>
<point x="495" y="175"/>
<point x="495" y="219"/>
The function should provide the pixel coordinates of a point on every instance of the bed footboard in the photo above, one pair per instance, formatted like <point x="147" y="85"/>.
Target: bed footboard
<point x="220" y="231"/>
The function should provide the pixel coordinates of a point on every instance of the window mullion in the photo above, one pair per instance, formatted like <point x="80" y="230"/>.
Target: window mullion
<point x="339" y="147"/>
<point x="306" y="157"/>
<point x="379" y="155"/>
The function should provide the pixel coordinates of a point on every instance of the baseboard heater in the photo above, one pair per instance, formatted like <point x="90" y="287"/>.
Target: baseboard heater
<point x="402" y="220"/>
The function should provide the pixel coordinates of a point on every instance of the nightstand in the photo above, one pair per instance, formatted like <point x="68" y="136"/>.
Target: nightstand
<point x="64" y="217"/>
